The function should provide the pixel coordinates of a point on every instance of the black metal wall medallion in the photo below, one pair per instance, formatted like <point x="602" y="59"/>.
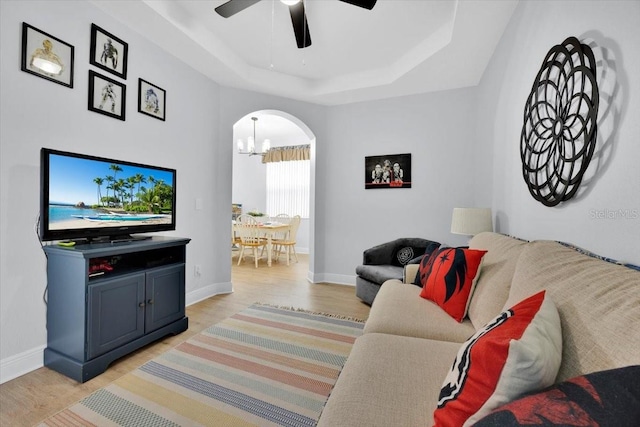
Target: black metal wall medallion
<point x="559" y="132"/>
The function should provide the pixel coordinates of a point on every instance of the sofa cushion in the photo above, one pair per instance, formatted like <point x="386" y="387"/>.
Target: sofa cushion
<point x="598" y="302"/>
<point x="448" y="278"/>
<point x="388" y="381"/>
<point x="517" y="352"/>
<point x="399" y="310"/>
<point x="605" y="398"/>
<point x="379" y="273"/>
<point x="494" y="280"/>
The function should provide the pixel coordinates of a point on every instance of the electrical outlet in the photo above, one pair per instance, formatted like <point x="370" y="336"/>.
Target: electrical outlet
<point x="197" y="271"/>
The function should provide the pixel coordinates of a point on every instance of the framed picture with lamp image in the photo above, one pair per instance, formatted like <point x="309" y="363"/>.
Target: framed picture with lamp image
<point x="46" y="56"/>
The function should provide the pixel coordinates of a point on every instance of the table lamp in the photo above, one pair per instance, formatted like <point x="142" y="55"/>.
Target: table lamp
<point x="471" y="221"/>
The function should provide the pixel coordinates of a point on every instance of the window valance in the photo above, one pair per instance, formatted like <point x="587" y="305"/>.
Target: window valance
<point x="288" y="153"/>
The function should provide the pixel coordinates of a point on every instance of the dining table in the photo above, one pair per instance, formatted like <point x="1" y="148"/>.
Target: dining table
<point x="269" y="230"/>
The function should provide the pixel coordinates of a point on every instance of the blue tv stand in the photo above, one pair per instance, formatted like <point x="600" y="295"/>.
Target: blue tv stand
<point x="106" y="300"/>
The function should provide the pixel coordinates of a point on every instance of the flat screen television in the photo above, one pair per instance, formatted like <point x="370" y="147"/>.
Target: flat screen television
<point x="91" y="198"/>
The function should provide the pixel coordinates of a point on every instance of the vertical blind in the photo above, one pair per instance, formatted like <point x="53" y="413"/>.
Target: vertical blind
<point x="288" y="187"/>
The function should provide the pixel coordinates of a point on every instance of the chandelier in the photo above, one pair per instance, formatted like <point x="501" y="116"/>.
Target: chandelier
<point x="250" y="147"/>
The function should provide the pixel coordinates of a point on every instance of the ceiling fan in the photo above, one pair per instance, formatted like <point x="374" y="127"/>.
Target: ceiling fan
<point x="296" y="9"/>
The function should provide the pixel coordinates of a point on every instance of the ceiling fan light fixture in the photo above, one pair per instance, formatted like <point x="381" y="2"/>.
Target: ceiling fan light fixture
<point x="296" y="10"/>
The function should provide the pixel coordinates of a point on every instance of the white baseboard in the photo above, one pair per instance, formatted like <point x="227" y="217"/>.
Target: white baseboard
<point x="14" y="366"/>
<point x="201" y="294"/>
<point x="338" y="279"/>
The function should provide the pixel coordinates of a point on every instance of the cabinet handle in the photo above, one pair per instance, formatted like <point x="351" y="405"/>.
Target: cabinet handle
<point x="141" y="304"/>
<point x="150" y="301"/>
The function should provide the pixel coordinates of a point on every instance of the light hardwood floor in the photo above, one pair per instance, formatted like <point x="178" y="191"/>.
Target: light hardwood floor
<point x="27" y="400"/>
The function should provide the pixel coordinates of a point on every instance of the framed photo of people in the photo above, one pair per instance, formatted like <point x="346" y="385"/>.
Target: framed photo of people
<point x="390" y="171"/>
<point x="152" y="100"/>
<point x="46" y="56"/>
<point x="108" y="52"/>
<point x="106" y="96"/>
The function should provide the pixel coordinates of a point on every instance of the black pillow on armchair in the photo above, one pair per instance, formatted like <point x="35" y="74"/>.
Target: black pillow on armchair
<point x="404" y="255"/>
<point x="605" y="398"/>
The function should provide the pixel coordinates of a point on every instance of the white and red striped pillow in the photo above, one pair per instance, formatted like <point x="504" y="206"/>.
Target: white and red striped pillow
<point x="517" y="352"/>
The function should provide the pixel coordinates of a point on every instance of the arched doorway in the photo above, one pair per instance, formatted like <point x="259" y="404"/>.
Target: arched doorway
<point x="248" y="172"/>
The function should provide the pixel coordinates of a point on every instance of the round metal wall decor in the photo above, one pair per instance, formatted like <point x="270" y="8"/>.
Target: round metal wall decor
<point x="559" y="132"/>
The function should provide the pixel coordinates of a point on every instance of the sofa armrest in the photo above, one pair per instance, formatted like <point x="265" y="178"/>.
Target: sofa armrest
<point x="410" y="271"/>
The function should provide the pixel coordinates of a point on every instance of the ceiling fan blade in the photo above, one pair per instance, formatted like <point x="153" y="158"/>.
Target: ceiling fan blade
<point x="232" y="7"/>
<point x="300" y="25"/>
<point x="367" y="4"/>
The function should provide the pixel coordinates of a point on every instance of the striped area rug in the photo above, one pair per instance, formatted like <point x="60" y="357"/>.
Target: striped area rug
<point x="263" y="366"/>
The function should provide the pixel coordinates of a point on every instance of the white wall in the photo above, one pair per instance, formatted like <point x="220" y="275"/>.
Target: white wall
<point x="536" y="26"/>
<point x="249" y="185"/>
<point x="37" y="113"/>
<point x="438" y="130"/>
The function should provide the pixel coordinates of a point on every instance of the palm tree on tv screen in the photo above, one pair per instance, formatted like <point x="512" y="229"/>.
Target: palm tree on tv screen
<point x="139" y="179"/>
<point x="99" y="181"/>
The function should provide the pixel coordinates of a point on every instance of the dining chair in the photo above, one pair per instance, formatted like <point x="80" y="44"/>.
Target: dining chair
<point x="235" y="238"/>
<point x="290" y="241"/>
<point x="248" y="231"/>
<point x="281" y="218"/>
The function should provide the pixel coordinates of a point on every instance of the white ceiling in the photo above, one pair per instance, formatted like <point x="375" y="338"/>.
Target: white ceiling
<point x="400" y="47"/>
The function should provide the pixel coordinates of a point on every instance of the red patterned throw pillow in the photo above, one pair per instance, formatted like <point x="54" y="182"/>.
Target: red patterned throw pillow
<point x="517" y="352"/>
<point x="448" y="278"/>
<point x="605" y="398"/>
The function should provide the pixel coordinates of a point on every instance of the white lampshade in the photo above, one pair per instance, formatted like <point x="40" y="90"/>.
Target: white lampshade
<point x="240" y="145"/>
<point x="251" y="144"/>
<point x="266" y="145"/>
<point x="471" y="221"/>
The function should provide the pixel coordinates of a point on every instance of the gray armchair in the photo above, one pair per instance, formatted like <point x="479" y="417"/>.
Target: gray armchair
<point x="386" y="261"/>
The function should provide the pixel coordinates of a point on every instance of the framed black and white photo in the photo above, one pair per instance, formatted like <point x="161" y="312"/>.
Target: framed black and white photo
<point x="46" y="56"/>
<point x="106" y="96"/>
<point x="108" y="52"/>
<point x="152" y="100"/>
<point x="390" y="171"/>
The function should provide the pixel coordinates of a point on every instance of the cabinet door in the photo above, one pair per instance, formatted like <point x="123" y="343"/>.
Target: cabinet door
<point x="115" y="313"/>
<point x="164" y="296"/>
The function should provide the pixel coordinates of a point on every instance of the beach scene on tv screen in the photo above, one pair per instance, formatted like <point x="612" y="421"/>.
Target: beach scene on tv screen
<point x="87" y="193"/>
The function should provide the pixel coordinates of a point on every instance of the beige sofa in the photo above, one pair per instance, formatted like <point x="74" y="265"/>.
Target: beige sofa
<point x="395" y="371"/>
